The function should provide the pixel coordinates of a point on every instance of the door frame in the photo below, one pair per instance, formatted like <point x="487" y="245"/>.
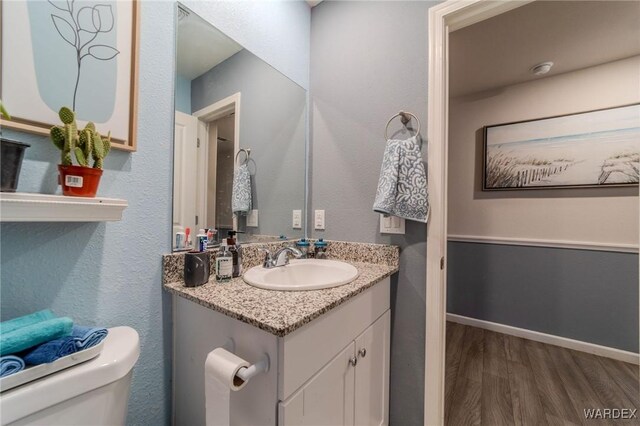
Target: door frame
<point x="446" y="17"/>
<point x="206" y="115"/>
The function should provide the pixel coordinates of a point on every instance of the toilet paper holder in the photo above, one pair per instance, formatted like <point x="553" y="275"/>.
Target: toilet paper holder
<point x="262" y="366"/>
<point x="246" y="373"/>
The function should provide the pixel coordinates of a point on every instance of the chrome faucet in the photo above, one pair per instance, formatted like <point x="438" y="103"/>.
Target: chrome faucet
<point x="281" y="257"/>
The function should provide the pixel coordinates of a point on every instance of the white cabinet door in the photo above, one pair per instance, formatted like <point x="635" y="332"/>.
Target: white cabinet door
<point x="327" y="398"/>
<point x="372" y="374"/>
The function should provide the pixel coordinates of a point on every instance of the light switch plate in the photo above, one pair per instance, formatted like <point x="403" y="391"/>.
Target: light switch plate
<point x="297" y="219"/>
<point x="252" y="218"/>
<point x="319" y="220"/>
<point x="391" y="225"/>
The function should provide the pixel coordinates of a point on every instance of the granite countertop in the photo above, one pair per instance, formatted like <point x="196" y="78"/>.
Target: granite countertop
<point x="281" y="312"/>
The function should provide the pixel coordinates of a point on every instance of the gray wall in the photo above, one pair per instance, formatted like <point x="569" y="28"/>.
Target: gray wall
<point x="584" y="295"/>
<point x="354" y="91"/>
<point x="272" y="124"/>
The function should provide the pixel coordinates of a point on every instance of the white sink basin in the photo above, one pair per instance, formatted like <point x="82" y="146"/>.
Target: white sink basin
<point x="302" y="274"/>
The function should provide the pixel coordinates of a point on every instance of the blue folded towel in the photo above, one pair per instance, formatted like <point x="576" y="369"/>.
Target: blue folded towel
<point x="34" y="334"/>
<point x="50" y="351"/>
<point x="86" y="337"/>
<point x="241" y="190"/>
<point x="10" y="364"/>
<point x="402" y="188"/>
<point x="34" y="318"/>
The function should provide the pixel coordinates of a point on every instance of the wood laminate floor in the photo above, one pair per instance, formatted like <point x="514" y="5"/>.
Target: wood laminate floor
<point x="494" y="379"/>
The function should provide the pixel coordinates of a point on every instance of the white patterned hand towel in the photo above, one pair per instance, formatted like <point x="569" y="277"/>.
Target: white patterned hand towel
<point x="241" y="192"/>
<point x="402" y="188"/>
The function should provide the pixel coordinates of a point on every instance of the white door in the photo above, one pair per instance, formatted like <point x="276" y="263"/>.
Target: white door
<point x="185" y="182"/>
<point x="326" y="399"/>
<point x="372" y="374"/>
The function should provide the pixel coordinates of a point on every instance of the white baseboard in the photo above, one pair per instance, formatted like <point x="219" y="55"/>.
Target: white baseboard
<point x="550" y="339"/>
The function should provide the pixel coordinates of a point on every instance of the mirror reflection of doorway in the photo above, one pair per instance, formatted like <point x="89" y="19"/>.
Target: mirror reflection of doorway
<point x="220" y="173"/>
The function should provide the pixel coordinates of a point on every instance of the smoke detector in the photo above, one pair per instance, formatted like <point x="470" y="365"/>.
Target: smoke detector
<point x="542" y="68"/>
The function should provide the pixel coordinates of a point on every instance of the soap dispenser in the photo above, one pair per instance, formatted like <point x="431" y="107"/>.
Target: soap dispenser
<point x="236" y="253"/>
<point x="224" y="264"/>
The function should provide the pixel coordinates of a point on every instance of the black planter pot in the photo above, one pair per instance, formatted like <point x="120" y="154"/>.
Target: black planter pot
<point x="11" y="156"/>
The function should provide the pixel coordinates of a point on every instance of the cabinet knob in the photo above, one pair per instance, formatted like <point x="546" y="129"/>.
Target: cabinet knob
<point x="353" y="361"/>
<point x="362" y="352"/>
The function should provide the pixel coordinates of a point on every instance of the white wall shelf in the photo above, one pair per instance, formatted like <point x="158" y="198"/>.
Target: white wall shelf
<point x="26" y="207"/>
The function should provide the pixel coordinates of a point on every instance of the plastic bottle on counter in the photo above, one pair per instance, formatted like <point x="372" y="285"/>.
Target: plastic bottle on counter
<point x="305" y="247"/>
<point x="320" y="249"/>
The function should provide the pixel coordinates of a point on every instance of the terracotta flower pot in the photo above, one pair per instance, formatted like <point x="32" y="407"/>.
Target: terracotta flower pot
<point x="78" y="181"/>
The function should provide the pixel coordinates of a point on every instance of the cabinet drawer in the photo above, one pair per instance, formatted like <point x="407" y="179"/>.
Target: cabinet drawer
<point x="305" y="351"/>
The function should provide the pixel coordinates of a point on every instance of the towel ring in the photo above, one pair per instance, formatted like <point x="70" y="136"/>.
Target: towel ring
<point x="405" y="117"/>
<point x="246" y="151"/>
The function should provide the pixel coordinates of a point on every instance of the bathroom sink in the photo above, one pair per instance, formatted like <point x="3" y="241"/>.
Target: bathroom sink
<point x="302" y="274"/>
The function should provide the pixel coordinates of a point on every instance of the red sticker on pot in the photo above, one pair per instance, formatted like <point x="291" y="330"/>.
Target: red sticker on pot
<point x="74" y="181"/>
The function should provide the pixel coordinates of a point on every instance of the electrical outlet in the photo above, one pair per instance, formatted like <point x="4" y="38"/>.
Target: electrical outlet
<point x="319" y="220"/>
<point x="252" y="218"/>
<point x="297" y="219"/>
<point x="391" y="225"/>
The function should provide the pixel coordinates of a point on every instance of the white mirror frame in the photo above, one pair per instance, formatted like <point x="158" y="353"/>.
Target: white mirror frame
<point x="443" y="18"/>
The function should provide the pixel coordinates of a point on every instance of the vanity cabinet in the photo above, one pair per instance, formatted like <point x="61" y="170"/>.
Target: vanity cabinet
<point x="352" y="388"/>
<point x="333" y="370"/>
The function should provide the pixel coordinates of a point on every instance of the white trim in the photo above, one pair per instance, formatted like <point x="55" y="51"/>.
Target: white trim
<point x="550" y="339"/>
<point x="202" y="173"/>
<point x="452" y="14"/>
<point x="220" y="109"/>
<point x="533" y="242"/>
<point x="28" y="207"/>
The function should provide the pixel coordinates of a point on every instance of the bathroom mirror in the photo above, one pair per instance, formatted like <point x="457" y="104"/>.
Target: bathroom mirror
<point x="234" y="111"/>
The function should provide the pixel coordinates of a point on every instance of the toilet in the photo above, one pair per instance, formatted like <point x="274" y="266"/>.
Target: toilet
<point x="92" y="393"/>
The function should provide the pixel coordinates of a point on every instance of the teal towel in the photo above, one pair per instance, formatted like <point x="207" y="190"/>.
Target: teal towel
<point x="34" y="334"/>
<point x="16" y="323"/>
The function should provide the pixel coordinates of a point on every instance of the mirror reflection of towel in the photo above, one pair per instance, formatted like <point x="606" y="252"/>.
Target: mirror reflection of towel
<point x="241" y="193"/>
<point x="402" y="188"/>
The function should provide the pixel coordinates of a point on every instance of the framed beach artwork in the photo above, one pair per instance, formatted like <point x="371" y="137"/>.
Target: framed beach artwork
<point x="589" y="149"/>
<point x="82" y="54"/>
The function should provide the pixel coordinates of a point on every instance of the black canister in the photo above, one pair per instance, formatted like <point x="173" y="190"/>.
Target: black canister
<point x="11" y="155"/>
<point x="196" y="268"/>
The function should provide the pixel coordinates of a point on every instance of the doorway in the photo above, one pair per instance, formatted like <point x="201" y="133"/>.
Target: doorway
<point x="444" y="19"/>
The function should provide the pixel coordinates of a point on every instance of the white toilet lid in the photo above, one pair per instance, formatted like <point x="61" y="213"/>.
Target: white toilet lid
<point x="119" y="355"/>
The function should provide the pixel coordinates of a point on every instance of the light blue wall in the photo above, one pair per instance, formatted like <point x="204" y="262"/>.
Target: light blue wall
<point x="183" y="94"/>
<point x="110" y="273"/>
<point x="584" y="295"/>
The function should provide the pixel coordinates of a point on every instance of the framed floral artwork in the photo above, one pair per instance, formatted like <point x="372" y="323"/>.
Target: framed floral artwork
<point x="82" y="54"/>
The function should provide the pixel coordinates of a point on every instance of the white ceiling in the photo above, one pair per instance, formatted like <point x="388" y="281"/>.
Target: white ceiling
<point x="201" y="46"/>
<point x="573" y="34"/>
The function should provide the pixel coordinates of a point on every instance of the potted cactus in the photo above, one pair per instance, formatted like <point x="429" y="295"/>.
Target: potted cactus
<point x="81" y="180"/>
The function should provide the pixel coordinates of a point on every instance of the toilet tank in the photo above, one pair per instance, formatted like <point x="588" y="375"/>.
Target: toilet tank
<point x="95" y="392"/>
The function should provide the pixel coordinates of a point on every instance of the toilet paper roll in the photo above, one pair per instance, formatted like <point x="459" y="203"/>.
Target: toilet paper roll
<point x="220" y="379"/>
